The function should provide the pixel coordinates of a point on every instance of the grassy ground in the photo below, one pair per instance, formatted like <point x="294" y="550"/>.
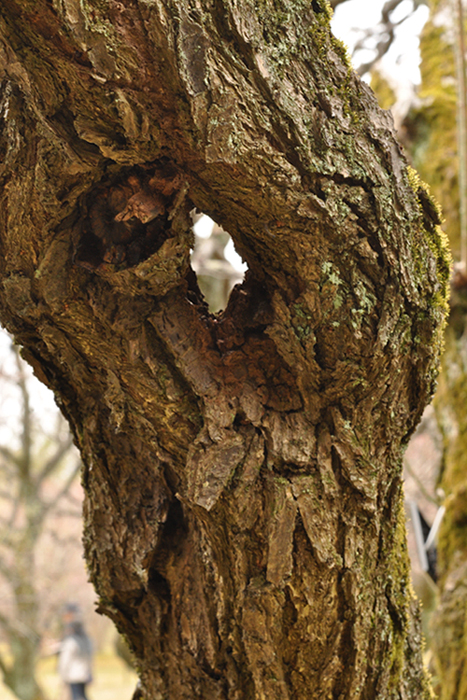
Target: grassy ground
<point x="112" y="680"/>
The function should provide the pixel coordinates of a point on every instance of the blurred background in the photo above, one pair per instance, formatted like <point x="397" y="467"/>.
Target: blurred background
<point x="413" y="55"/>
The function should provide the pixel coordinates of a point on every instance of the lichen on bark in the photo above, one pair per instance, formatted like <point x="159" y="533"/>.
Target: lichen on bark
<point x="242" y="470"/>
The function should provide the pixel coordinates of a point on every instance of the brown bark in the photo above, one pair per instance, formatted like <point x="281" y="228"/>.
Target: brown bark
<point x="243" y="513"/>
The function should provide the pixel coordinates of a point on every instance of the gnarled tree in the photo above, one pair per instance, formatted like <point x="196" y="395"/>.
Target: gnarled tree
<point x="243" y="516"/>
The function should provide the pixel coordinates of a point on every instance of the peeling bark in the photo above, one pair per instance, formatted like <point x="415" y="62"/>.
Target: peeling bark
<point x="243" y="514"/>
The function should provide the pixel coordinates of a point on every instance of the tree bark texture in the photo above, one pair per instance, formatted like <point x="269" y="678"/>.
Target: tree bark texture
<point x="243" y="516"/>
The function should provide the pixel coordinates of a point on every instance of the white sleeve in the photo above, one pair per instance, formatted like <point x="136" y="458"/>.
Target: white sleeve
<point x="66" y="657"/>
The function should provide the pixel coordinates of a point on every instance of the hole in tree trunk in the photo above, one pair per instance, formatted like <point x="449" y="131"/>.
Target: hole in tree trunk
<point x="126" y="219"/>
<point x="217" y="265"/>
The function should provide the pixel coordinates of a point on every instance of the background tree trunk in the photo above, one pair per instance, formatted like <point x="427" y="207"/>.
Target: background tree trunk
<point x="34" y="481"/>
<point x="244" y="522"/>
<point x="448" y="623"/>
<point x="431" y="132"/>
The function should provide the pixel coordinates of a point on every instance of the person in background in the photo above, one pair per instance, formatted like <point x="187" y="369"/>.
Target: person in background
<point x="75" y="654"/>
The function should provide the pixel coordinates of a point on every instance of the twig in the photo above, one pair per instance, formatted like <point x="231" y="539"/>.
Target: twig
<point x="459" y="47"/>
<point x="419" y="483"/>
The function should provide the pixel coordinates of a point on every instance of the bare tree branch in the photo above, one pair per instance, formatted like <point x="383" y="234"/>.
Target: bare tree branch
<point x="335" y="3"/>
<point x="72" y="499"/>
<point x="7" y="624"/>
<point x="54" y="461"/>
<point x="16" y="504"/>
<point x="9" y="456"/>
<point x="382" y="47"/>
<point x="17" y="627"/>
<point x="420" y="484"/>
<point x="459" y="48"/>
<point x="26" y="417"/>
<point x="64" y="513"/>
<point x="383" y="33"/>
<point x="64" y="490"/>
<point x="5" y="571"/>
<point x="27" y="497"/>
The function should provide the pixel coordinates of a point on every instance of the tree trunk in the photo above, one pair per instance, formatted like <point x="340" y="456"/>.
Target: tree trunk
<point x="448" y="622"/>
<point x="243" y="517"/>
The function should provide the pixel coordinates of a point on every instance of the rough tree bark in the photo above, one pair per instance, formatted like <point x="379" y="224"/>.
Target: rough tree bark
<point x="243" y="517"/>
